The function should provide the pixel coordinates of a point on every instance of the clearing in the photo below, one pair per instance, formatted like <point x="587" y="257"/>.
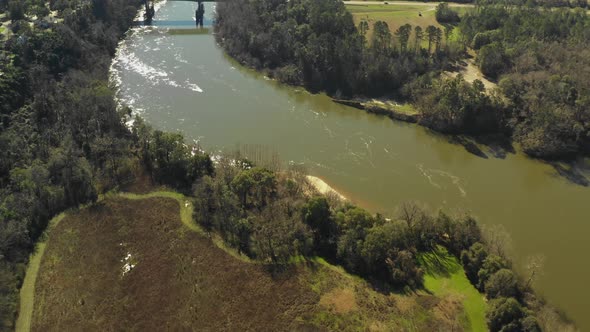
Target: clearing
<point x="446" y="278"/>
<point x="130" y="262"/>
<point x="396" y="14"/>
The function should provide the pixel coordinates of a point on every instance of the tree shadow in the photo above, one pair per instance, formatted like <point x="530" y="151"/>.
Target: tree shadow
<point x="483" y="146"/>
<point x="469" y="145"/>
<point x="439" y="262"/>
<point x="576" y="173"/>
<point x="499" y="146"/>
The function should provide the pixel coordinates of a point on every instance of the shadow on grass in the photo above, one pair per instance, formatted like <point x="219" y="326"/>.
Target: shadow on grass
<point x="439" y="263"/>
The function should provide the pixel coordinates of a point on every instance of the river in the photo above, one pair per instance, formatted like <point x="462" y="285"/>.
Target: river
<point x="184" y="82"/>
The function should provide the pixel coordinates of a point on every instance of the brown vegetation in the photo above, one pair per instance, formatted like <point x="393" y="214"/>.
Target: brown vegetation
<point x="177" y="279"/>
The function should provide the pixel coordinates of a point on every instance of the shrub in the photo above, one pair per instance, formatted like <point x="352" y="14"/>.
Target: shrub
<point x="444" y="14"/>
<point x="501" y="284"/>
<point x="505" y="314"/>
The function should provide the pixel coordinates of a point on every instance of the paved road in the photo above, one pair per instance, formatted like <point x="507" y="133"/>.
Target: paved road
<point x="406" y="3"/>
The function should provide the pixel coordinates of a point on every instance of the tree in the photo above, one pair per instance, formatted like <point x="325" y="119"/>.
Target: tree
<point x="279" y="234"/>
<point x="354" y="224"/>
<point x="534" y="267"/>
<point x="205" y="203"/>
<point x="503" y="283"/>
<point x="16" y="10"/>
<point x="380" y="240"/>
<point x="437" y="38"/>
<point x="317" y="215"/>
<point x="472" y="261"/>
<point x="530" y="324"/>
<point x="381" y="37"/>
<point x="492" y="60"/>
<point x="504" y="314"/>
<point x="256" y="183"/>
<point x="497" y="240"/>
<point x="363" y="27"/>
<point x="411" y="213"/>
<point x="491" y="265"/>
<point x="403" y="34"/>
<point x="404" y="269"/>
<point x="431" y="36"/>
<point x="444" y="14"/>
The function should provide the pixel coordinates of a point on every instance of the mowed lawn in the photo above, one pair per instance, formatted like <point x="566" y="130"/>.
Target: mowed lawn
<point x="445" y="277"/>
<point x="130" y="262"/>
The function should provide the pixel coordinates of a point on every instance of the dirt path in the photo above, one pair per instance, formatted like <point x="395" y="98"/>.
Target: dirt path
<point x="471" y="73"/>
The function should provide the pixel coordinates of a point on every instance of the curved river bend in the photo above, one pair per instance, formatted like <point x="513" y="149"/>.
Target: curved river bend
<point x="185" y="82"/>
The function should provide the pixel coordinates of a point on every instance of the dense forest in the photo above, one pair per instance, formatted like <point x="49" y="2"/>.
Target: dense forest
<point x="62" y="141"/>
<point x="316" y="44"/>
<point x="538" y="56"/>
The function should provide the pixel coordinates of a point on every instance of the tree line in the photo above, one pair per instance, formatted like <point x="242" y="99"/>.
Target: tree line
<point x="316" y="44"/>
<point x="62" y="140"/>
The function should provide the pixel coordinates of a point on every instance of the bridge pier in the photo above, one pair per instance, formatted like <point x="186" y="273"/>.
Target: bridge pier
<point x="148" y="16"/>
<point x="150" y="12"/>
<point x="199" y="14"/>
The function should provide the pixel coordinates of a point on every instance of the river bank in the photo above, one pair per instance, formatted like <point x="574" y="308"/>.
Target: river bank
<point x="388" y="108"/>
<point x="323" y="188"/>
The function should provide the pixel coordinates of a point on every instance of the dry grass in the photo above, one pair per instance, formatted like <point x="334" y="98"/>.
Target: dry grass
<point x="394" y="15"/>
<point x="181" y="280"/>
<point x="341" y="301"/>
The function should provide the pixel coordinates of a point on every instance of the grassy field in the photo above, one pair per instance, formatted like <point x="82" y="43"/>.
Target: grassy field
<point x="445" y="278"/>
<point x="132" y="262"/>
<point x="396" y="15"/>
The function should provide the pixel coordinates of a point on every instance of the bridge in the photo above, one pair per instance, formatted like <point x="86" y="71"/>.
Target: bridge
<point x="199" y="13"/>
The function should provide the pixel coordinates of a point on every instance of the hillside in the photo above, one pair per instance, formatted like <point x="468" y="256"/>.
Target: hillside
<point x="133" y="264"/>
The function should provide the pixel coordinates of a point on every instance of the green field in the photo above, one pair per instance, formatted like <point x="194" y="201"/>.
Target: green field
<point x="396" y="15"/>
<point x="445" y="277"/>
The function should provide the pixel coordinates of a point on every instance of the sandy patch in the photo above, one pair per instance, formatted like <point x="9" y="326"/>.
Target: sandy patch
<point x="322" y="187"/>
<point x="340" y="301"/>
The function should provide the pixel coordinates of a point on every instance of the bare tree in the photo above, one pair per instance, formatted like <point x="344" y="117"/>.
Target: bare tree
<point x="534" y="266"/>
<point x="411" y="213"/>
<point x="498" y="240"/>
